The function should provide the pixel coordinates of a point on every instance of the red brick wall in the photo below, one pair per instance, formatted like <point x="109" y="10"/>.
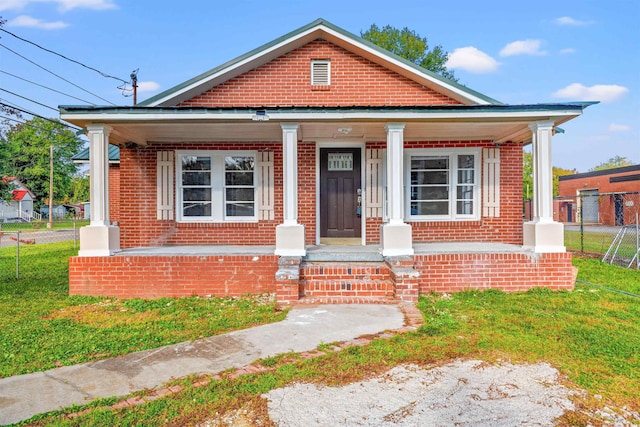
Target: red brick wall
<point x="508" y="272"/>
<point x="285" y="81"/>
<point x="571" y="187"/>
<point x="172" y="276"/>
<point x="114" y="192"/>
<point x="138" y="223"/>
<point x="507" y="228"/>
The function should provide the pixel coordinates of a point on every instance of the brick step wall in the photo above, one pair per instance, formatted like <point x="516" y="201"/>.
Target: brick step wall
<point x="346" y="280"/>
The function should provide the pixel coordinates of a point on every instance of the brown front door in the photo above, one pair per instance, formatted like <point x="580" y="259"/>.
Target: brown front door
<point x="340" y="177"/>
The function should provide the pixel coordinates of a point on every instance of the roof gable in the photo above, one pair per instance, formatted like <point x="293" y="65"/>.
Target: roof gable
<point x="286" y="81"/>
<point x="319" y="29"/>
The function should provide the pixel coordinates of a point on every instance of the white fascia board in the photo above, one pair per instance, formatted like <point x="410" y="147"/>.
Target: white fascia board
<point x="316" y="116"/>
<point x="411" y="70"/>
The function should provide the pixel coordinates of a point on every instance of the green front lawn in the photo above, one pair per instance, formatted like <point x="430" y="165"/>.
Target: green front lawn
<point x="41" y="327"/>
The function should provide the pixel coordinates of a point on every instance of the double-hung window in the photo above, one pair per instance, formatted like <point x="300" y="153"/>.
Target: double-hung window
<point x="216" y="186"/>
<point x="442" y="185"/>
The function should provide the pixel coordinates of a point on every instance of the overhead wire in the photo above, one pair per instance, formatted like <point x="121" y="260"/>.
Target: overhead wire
<point x="51" y="72"/>
<point x="29" y="99"/>
<point x="65" y="57"/>
<point x="38" y="127"/>
<point x="9" y="105"/>
<point x="46" y="87"/>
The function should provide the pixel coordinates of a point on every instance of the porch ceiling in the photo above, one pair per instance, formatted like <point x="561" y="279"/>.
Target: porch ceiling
<point x="181" y="131"/>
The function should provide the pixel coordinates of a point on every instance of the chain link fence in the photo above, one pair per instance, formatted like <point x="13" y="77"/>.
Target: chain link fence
<point x="24" y="244"/>
<point x="602" y="224"/>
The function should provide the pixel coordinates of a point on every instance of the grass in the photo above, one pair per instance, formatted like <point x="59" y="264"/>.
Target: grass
<point x="42" y="225"/>
<point x="589" y="334"/>
<point x="42" y="327"/>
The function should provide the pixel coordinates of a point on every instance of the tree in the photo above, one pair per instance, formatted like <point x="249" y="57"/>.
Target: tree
<point x="25" y="154"/>
<point x="614" y="162"/>
<point x="78" y="190"/>
<point x="527" y="176"/>
<point x="411" y="46"/>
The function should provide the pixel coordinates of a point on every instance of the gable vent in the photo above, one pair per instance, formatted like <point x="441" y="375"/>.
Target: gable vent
<point x="321" y="72"/>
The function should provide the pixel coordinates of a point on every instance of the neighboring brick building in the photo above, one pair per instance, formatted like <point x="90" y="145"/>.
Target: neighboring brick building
<point x="609" y="197"/>
<point x="240" y="180"/>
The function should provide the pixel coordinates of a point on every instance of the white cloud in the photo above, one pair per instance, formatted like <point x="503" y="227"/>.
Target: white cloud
<point x="471" y="59"/>
<point x="523" y="47"/>
<point x="567" y="51"/>
<point x="617" y="127"/>
<point x="567" y="20"/>
<point x="602" y="93"/>
<point x="148" y="86"/>
<point x="63" y="5"/>
<point x="28" y="21"/>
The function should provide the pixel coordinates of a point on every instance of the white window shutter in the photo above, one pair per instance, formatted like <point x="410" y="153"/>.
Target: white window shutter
<point x="491" y="182"/>
<point x="165" y="185"/>
<point x="266" y="204"/>
<point x="374" y="183"/>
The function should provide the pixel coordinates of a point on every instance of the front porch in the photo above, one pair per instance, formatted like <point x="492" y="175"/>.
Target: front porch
<point x="327" y="273"/>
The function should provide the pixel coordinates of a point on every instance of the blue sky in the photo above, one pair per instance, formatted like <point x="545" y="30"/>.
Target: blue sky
<point x="516" y="52"/>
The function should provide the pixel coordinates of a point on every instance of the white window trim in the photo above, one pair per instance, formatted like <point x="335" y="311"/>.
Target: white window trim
<point x="218" y="211"/>
<point x="453" y="179"/>
<point x="314" y="62"/>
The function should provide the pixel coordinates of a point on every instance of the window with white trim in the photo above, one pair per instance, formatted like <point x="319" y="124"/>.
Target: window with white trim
<point x="320" y="72"/>
<point x="442" y="184"/>
<point x="216" y="186"/>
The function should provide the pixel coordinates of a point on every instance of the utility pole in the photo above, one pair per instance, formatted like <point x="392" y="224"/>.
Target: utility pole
<point x="50" y="223"/>
<point x="134" y="83"/>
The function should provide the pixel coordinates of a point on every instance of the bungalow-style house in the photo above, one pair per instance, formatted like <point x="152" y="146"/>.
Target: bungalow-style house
<point x="20" y="206"/>
<point x="607" y="197"/>
<point x="319" y="167"/>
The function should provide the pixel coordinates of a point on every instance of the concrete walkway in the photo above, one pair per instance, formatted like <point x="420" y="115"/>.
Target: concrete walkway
<point x="24" y="396"/>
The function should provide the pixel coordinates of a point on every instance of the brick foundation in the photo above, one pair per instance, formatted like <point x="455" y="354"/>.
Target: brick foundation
<point x="155" y="276"/>
<point x="505" y="271"/>
<point x="172" y="275"/>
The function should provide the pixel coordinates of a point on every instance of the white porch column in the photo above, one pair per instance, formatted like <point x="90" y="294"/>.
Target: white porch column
<point x="543" y="234"/>
<point x="290" y="234"/>
<point x="395" y="236"/>
<point x="100" y="238"/>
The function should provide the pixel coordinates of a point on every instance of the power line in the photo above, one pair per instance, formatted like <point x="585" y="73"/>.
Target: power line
<point x="64" y="57"/>
<point x="45" y="87"/>
<point x="38" y="127"/>
<point x="38" y="115"/>
<point x="51" y="72"/>
<point x="29" y="99"/>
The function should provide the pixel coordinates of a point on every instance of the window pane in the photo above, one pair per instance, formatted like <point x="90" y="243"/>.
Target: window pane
<point x="465" y="207"/>
<point x="465" y="192"/>
<point x="466" y="161"/>
<point x="429" y="208"/>
<point x="239" y="178"/>
<point x="428" y="162"/>
<point x="465" y="177"/>
<point x="240" y="209"/>
<point x="430" y="193"/>
<point x="196" y="163"/>
<point x="196" y="178"/>
<point x="196" y="194"/>
<point x="239" y="163"/>
<point x="196" y="209"/>
<point x="239" y="194"/>
<point x="432" y="177"/>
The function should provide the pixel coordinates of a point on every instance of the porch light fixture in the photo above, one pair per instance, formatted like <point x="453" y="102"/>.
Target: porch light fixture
<point x="260" y="116"/>
<point x="345" y="131"/>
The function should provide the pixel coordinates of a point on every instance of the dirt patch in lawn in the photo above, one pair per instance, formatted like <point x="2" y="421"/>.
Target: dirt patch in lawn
<point x="461" y="393"/>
